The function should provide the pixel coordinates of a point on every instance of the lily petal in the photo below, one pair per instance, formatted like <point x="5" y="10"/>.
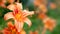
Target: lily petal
<point x="8" y="16"/>
<point x="10" y="25"/>
<point x="19" y="5"/>
<point x="22" y="32"/>
<point x="11" y="7"/>
<point x="28" y="21"/>
<point x="26" y="13"/>
<point x="19" y="25"/>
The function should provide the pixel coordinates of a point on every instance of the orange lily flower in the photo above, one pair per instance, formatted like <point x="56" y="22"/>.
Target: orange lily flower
<point x="12" y="30"/>
<point x="19" y="15"/>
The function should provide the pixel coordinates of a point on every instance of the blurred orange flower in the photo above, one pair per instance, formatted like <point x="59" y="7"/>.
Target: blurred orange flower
<point x="2" y="3"/>
<point x="19" y="15"/>
<point x="35" y="32"/>
<point x="49" y="23"/>
<point x="41" y="5"/>
<point x="43" y="8"/>
<point x="52" y="5"/>
<point x="12" y="1"/>
<point x="38" y="2"/>
<point x="42" y="16"/>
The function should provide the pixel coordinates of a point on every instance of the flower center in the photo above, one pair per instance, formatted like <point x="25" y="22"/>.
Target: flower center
<point x="13" y="31"/>
<point x="19" y="17"/>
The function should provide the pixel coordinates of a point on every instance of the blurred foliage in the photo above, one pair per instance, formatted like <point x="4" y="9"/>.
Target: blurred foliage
<point x="2" y="21"/>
